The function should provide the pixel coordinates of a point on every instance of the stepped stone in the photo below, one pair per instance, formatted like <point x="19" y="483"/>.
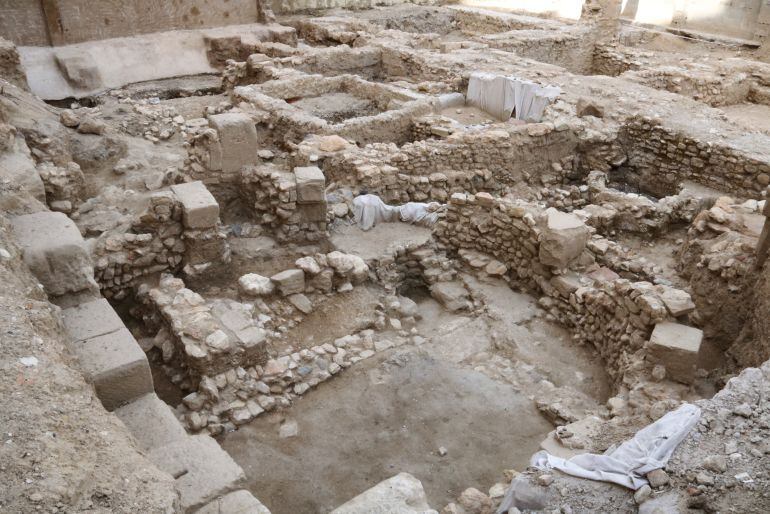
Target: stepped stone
<point x="151" y="421"/>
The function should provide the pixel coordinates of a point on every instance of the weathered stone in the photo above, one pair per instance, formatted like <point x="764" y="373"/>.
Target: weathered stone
<point x="200" y="209"/>
<point x="563" y="238"/>
<point x="676" y="347"/>
<point x="290" y="281"/>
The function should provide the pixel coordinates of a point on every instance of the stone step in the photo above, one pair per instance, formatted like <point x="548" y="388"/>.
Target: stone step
<point x="55" y="252"/>
<point x="91" y="319"/>
<point x="116" y="366"/>
<point x="151" y="422"/>
<point x="238" y="502"/>
<point x="202" y="469"/>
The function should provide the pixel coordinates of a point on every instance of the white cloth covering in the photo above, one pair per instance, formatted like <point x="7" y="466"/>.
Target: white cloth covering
<point x="502" y="96"/>
<point x="368" y="210"/>
<point x="627" y="465"/>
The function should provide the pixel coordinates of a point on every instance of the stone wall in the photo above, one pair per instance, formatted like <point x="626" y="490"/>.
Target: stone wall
<point x="62" y="22"/>
<point x="659" y="158"/>
<point x="614" y="315"/>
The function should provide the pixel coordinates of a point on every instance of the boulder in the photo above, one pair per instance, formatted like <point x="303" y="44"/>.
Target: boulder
<point x="255" y="285"/>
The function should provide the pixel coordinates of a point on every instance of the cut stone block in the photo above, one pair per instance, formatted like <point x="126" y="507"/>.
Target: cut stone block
<point x="563" y="239"/>
<point x="311" y="213"/>
<point x="238" y="502"/>
<point x="291" y="281"/>
<point x="237" y="142"/>
<point x="91" y="319"/>
<point x="451" y="295"/>
<point x="401" y="494"/>
<point x="310" y="184"/>
<point x="151" y="421"/>
<point x="676" y="347"/>
<point x="79" y="68"/>
<point x="199" y="208"/>
<point x="55" y="252"/>
<point x="202" y="469"/>
<point x="116" y="366"/>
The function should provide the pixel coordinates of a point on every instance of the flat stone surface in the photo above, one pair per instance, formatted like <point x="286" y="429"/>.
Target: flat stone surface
<point x="91" y="319"/>
<point x="290" y="281"/>
<point x="237" y="145"/>
<point x="151" y="421"/>
<point x="202" y="469"/>
<point x="237" y="502"/>
<point x="116" y="366"/>
<point x="55" y="252"/>
<point x="401" y="494"/>
<point x="451" y="295"/>
<point x="199" y="207"/>
<point x="310" y="184"/>
<point x="676" y="347"/>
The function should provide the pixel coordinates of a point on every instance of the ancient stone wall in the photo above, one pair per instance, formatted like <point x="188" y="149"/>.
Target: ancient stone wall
<point x="615" y="315"/>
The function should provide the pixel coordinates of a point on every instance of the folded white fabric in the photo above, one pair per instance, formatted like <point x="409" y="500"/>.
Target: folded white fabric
<point x="627" y="465"/>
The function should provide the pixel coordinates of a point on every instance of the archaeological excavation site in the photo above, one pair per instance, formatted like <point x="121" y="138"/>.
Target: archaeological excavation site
<point x="387" y="257"/>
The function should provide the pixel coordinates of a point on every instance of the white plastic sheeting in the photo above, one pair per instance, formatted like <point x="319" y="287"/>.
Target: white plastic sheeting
<point x="627" y="465"/>
<point x="502" y="96"/>
<point x="368" y="210"/>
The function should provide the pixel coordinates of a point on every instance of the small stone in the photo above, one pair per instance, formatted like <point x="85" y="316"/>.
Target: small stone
<point x="657" y="478"/>
<point x="715" y="463"/>
<point x="442" y="451"/>
<point x="289" y="428"/>
<point x="703" y="478"/>
<point x="642" y="494"/>
<point x="91" y="125"/>
<point x="743" y="410"/>
<point x="255" y="285"/>
<point x="69" y="119"/>
<point x="545" y="480"/>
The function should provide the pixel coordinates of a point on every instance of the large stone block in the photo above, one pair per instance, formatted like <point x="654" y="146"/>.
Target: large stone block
<point x="238" y="502"/>
<point x="151" y="422"/>
<point x="401" y="494"/>
<point x="79" y="68"/>
<point x="563" y="238"/>
<point x="311" y="213"/>
<point x="237" y="142"/>
<point x="91" y="319"/>
<point x="311" y="184"/>
<point x="55" y="252"/>
<point x="676" y="347"/>
<point x="291" y="281"/>
<point x="451" y="295"/>
<point x="199" y="208"/>
<point x="116" y="366"/>
<point x="202" y="469"/>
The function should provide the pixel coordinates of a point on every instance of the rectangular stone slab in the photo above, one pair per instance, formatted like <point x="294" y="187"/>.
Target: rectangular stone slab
<point x="310" y="184"/>
<point x="204" y="471"/>
<point x="200" y="209"/>
<point x="55" y="252"/>
<point x="151" y="422"/>
<point x="116" y="366"/>
<point x="91" y="319"/>
<point x="676" y="347"/>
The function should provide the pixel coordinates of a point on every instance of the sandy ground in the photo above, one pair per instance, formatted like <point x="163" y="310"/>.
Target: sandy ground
<point x="755" y="117"/>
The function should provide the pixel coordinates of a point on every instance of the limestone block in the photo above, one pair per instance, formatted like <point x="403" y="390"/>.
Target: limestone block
<point x="311" y="212"/>
<point x="289" y="282"/>
<point x="55" y="252"/>
<point x="238" y="502"/>
<point x="79" y="68"/>
<point x="116" y="366"/>
<point x="91" y="319"/>
<point x="563" y="238"/>
<point x="255" y="285"/>
<point x="401" y="494"/>
<point x="151" y="421"/>
<point x="310" y="184"/>
<point x="676" y="347"/>
<point x="451" y="295"/>
<point x="199" y="208"/>
<point x="202" y="469"/>
<point x="237" y="141"/>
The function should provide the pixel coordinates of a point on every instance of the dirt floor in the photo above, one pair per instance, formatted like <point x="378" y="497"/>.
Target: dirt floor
<point x="752" y="117"/>
<point x="383" y="417"/>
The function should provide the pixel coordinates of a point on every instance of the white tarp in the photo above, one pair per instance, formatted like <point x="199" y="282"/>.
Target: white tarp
<point x="649" y="449"/>
<point x="368" y="210"/>
<point x="502" y="96"/>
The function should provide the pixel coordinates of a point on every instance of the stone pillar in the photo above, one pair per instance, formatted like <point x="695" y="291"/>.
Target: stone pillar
<point x="605" y="16"/>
